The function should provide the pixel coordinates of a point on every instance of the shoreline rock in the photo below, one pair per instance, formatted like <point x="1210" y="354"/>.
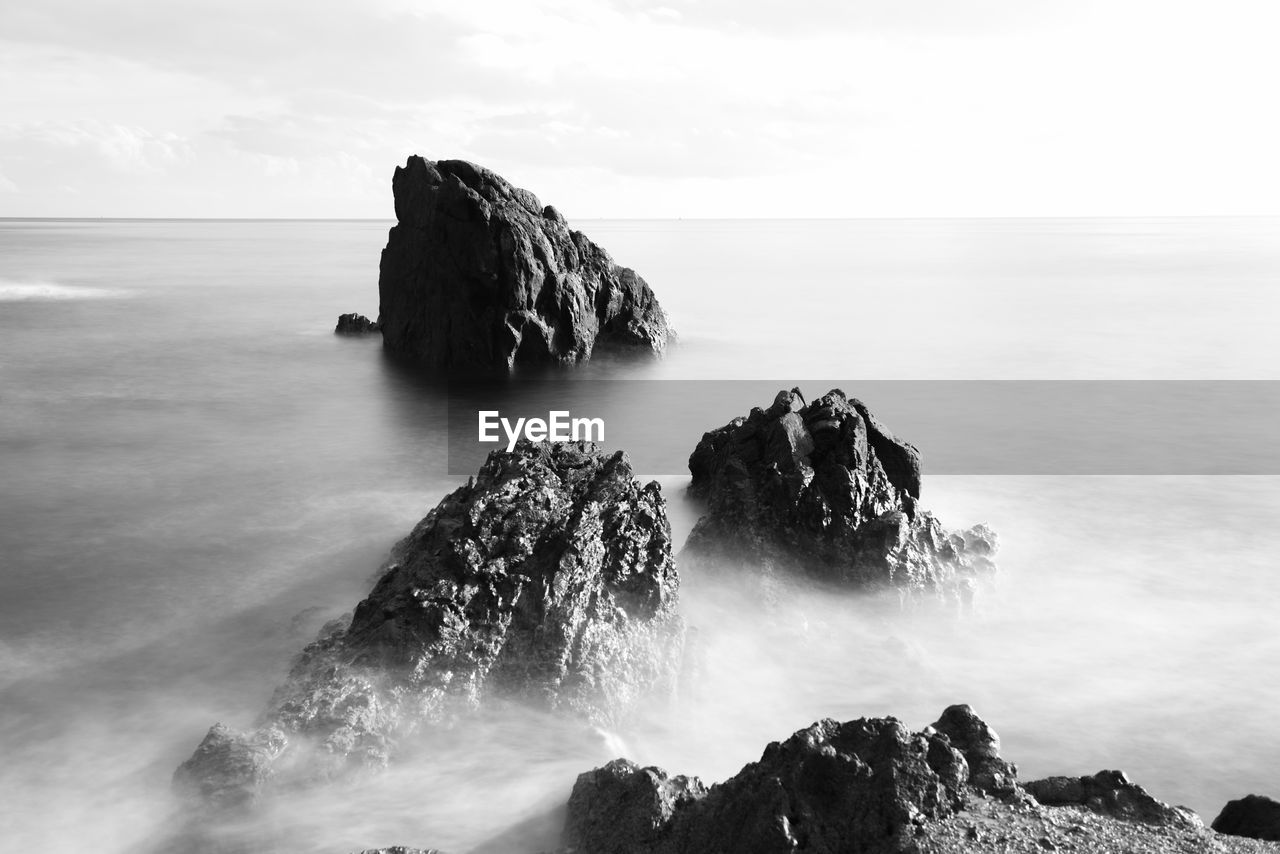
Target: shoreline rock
<point x="478" y="275"/>
<point x="1253" y="816"/>
<point x="824" y="490"/>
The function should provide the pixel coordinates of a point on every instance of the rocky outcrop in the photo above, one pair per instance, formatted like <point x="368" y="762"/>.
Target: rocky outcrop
<point x="824" y="489"/>
<point x="478" y="275"/>
<point x="355" y="324"/>
<point x="548" y="580"/>
<point x="1254" y="816"/>
<point x="1109" y="793"/>
<point x="863" y="786"/>
<point x="872" y="786"/>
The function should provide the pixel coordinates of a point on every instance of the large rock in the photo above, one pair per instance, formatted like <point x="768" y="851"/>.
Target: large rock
<point x="861" y="786"/>
<point x="548" y="580"/>
<point x="825" y="489"/>
<point x="1255" y="816"/>
<point x="478" y="275"/>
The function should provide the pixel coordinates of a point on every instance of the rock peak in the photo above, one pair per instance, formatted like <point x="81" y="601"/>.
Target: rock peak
<point x="479" y="276"/>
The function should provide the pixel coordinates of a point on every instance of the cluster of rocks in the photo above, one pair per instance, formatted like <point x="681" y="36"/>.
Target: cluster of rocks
<point x="868" y="786"/>
<point x="548" y="580"/>
<point x="478" y="275"/>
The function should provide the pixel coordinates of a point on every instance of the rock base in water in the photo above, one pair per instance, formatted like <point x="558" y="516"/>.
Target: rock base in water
<point x="825" y="490"/>
<point x="355" y="324"/>
<point x="479" y="276"/>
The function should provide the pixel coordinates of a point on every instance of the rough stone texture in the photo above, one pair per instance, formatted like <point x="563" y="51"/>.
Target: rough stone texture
<point x="1254" y="816"/>
<point x="229" y="769"/>
<point x="477" y="275"/>
<point x="997" y="826"/>
<point x="547" y="579"/>
<point x="860" y="786"/>
<point x="969" y="734"/>
<point x="624" y="809"/>
<point x="355" y="324"/>
<point x="826" y="490"/>
<point x="1109" y="793"/>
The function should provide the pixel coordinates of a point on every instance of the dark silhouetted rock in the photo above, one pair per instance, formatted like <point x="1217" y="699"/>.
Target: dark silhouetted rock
<point x="1109" y="793"/>
<point x="477" y="275"/>
<point x="861" y="786"/>
<point x="1254" y="816"/>
<point x="548" y="579"/>
<point x="355" y="324"/>
<point x="825" y="489"/>
<point x="980" y="746"/>
<point x="400" y="849"/>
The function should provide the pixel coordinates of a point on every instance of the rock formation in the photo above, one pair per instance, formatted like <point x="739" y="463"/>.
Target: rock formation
<point x="825" y="489"/>
<point x="1255" y="816"/>
<point x="355" y="324"/>
<point x="872" y="786"/>
<point x="548" y="579"/>
<point x="478" y="275"/>
<point x="864" y="785"/>
<point x="1109" y="793"/>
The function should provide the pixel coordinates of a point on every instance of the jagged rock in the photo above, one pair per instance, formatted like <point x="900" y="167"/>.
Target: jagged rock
<point x="1109" y="793"/>
<point x="825" y="489"/>
<point x="547" y="579"/>
<point x="1255" y="816"/>
<point x="980" y="745"/>
<point x="861" y="786"/>
<point x="478" y="275"/>
<point x="624" y="809"/>
<point x="355" y="324"/>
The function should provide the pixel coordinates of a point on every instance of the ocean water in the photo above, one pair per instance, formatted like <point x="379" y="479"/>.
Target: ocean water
<point x="195" y="474"/>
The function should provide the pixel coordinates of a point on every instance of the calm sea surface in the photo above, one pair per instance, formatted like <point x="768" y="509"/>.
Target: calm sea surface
<point x="195" y="474"/>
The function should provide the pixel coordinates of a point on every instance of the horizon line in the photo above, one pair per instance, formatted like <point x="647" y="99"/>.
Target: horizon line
<point x="651" y="218"/>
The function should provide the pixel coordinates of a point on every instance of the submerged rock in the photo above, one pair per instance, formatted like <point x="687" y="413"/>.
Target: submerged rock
<point x="826" y="490"/>
<point x="478" y="275"/>
<point x="355" y="324"/>
<point x="1109" y="793"/>
<point x="548" y="580"/>
<point x="1254" y="816"/>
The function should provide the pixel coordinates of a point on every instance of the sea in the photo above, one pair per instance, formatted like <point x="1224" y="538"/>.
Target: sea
<point x="196" y="474"/>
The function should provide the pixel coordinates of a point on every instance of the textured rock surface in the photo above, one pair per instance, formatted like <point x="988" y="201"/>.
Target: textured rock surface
<point x="1255" y="816"/>
<point x="871" y="786"/>
<point x="355" y="324"/>
<point x="1109" y="793"/>
<point x="980" y="746"/>
<point x="548" y="579"/>
<point x="478" y="275"/>
<point x="860" y="786"/>
<point x="825" y="489"/>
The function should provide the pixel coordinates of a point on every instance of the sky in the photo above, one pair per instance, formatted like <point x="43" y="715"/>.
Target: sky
<point x="630" y="108"/>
